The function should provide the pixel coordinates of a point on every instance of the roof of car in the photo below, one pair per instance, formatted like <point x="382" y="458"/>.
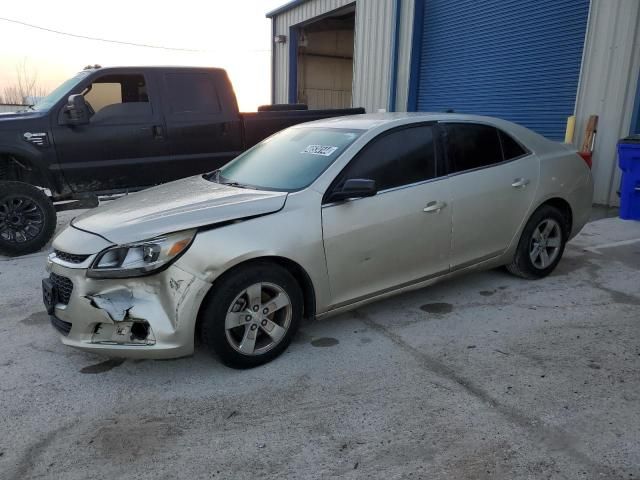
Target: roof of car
<point x="369" y="121"/>
<point x="379" y="122"/>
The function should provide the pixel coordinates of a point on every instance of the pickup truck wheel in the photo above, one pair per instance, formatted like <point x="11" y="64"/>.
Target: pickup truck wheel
<point x="252" y="315"/>
<point x="27" y="218"/>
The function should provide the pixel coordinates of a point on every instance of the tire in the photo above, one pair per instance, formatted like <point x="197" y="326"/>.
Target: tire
<point x="27" y="218"/>
<point x="529" y="261"/>
<point x="229" y="317"/>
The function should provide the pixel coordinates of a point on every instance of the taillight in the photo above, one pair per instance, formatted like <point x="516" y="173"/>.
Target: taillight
<point x="587" y="157"/>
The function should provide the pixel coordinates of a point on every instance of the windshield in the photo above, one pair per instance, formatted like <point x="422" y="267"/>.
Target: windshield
<point x="61" y="91"/>
<point x="289" y="160"/>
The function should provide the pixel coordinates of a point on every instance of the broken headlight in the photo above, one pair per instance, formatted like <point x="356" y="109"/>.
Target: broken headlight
<point x="140" y="258"/>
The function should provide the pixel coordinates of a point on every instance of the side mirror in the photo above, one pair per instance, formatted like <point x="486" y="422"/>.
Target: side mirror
<point x="355" y="188"/>
<point x="76" y="112"/>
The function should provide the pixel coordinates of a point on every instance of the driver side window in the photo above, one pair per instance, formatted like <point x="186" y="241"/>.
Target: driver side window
<point x="400" y="157"/>
<point x="118" y="98"/>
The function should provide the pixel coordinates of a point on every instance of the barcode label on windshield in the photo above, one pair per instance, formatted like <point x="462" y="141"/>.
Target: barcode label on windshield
<point x="323" y="150"/>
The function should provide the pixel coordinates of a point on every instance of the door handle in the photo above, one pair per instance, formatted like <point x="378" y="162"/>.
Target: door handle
<point x="520" y="183"/>
<point x="434" y="207"/>
<point x="158" y="132"/>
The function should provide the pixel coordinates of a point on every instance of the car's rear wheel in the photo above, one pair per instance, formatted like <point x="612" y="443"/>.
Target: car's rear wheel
<point x="27" y="218"/>
<point x="541" y="245"/>
<point x="252" y="315"/>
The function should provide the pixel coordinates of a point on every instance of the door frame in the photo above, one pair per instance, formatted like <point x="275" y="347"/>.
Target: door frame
<point x="416" y="54"/>
<point x="634" y="127"/>
<point x="294" y="34"/>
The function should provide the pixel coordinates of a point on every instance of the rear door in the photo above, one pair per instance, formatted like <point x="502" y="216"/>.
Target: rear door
<point x="399" y="236"/>
<point x="204" y="128"/>
<point x="123" y="144"/>
<point x="493" y="182"/>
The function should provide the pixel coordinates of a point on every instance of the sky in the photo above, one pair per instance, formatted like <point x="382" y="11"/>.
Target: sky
<point x="234" y="35"/>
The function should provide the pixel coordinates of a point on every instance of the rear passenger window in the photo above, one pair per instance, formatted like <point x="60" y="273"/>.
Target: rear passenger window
<point x="398" y="158"/>
<point x="510" y="148"/>
<point x="190" y="93"/>
<point x="472" y="146"/>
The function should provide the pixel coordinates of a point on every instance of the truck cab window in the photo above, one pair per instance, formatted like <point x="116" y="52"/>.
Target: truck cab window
<point x="191" y="93"/>
<point x="117" y="96"/>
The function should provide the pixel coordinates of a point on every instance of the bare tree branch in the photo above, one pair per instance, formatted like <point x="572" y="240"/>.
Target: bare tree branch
<point x="26" y="87"/>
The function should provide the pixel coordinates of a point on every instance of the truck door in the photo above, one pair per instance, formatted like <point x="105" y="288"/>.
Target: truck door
<point x="203" y="125"/>
<point x="124" y="144"/>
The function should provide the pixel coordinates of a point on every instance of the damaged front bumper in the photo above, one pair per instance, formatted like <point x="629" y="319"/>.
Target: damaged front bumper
<point x="147" y="317"/>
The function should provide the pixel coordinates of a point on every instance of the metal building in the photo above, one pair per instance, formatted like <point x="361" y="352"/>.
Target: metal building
<point x="535" y="63"/>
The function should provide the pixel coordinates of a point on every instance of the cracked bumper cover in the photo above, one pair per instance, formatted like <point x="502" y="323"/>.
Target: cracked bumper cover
<point x="167" y="301"/>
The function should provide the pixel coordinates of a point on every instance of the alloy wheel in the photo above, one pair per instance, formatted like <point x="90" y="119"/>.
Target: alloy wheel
<point x="258" y="319"/>
<point x="545" y="243"/>
<point x="21" y="219"/>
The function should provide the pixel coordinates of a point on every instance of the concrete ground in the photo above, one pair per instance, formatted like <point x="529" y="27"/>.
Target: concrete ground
<point x="482" y="377"/>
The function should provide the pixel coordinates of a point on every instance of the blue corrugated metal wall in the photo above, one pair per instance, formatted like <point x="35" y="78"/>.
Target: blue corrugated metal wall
<point x="514" y="59"/>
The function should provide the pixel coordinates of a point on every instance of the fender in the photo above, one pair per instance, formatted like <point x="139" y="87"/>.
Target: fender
<point x="37" y="165"/>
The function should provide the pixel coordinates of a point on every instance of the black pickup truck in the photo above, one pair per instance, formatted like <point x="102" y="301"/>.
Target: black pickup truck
<point x="113" y="130"/>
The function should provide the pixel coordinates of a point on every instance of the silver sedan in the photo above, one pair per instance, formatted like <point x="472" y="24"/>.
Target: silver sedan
<point x="317" y="219"/>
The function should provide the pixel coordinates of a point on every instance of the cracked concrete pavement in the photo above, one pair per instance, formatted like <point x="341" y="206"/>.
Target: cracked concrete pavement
<point x="483" y="377"/>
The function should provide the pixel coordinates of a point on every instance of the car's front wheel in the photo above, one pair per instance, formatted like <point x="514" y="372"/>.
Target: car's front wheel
<point x="541" y="245"/>
<point x="252" y="315"/>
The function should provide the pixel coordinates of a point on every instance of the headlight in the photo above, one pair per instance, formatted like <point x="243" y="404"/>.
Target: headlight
<point x="140" y="258"/>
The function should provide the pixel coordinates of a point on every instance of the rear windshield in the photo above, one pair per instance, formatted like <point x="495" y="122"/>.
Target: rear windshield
<point x="289" y="160"/>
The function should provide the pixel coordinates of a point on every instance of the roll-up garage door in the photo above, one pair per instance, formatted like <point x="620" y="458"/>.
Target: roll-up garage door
<point x="515" y="59"/>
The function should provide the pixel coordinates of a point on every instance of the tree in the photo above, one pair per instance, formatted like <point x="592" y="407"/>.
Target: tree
<point x="26" y="86"/>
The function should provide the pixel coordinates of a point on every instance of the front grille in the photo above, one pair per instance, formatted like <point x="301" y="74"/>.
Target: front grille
<point x="64" y="287"/>
<point x="70" y="257"/>
<point x="63" y="327"/>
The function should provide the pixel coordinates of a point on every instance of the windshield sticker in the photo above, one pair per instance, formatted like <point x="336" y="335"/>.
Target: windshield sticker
<point x="323" y="150"/>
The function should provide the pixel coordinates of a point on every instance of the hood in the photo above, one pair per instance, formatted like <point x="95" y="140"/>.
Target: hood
<point x="72" y="240"/>
<point x="6" y="118"/>
<point x="188" y="203"/>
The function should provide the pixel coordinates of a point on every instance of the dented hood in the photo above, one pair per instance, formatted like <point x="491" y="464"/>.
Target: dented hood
<point x="188" y="203"/>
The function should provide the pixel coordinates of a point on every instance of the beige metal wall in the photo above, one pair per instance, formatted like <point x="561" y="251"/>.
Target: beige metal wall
<point x="608" y="86"/>
<point x="372" y="52"/>
<point x="372" y="59"/>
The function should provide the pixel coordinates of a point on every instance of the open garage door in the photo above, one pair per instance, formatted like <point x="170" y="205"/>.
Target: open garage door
<point x="325" y="61"/>
<point x="518" y="60"/>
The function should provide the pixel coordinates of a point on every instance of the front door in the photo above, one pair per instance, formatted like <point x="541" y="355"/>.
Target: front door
<point x="493" y="182"/>
<point x="122" y="145"/>
<point x="397" y="237"/>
